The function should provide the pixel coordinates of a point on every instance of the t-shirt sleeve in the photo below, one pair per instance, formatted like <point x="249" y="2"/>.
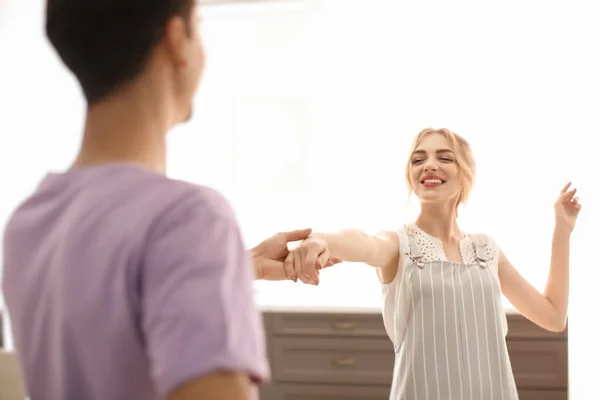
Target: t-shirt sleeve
<point x="198" y="309"/>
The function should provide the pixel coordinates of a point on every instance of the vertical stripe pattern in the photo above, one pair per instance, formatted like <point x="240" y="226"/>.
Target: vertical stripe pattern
<point x="449" y="332"/>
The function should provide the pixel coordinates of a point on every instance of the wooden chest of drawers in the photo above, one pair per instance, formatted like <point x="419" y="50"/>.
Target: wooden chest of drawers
<point x="321" y="356"/>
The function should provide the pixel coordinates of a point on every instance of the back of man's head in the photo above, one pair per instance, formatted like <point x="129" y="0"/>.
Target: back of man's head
<point x="106" y="43"/>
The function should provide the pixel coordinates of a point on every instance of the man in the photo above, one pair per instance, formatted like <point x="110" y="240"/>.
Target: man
<point x="121" y="283"/>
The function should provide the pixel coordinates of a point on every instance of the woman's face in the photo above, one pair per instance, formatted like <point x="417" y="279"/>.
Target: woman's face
<point x="434" y="174"/>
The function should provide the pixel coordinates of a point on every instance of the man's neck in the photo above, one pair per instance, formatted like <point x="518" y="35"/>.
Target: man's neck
<point x="125" y="129"/>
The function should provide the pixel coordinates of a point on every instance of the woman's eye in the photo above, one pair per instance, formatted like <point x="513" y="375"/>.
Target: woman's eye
<point x="447" y="159"/>
<point x="417" y="160"/>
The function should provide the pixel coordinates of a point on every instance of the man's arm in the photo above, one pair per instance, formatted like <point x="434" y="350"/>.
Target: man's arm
<point x="218" y="385"/>
<point x="265" y="268"/>
<point x="203" y="333"/>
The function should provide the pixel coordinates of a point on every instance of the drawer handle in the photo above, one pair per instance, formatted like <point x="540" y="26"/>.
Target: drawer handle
<point x="342" y="325"/>
<point x="344" y="362"/>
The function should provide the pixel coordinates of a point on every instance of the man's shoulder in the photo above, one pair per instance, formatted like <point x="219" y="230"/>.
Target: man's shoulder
<point x="123" y="196"/>
<point x="173" y="191"/>
<point x="193" y="199"/>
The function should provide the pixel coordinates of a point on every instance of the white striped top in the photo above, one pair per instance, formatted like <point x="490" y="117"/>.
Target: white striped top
<point x="447" y="322"/>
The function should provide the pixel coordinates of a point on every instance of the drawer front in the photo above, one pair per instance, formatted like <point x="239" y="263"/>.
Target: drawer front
<point x="332" y="360"/>
<point x="543" y="395"/>
<point x="329" y="325"/>
<point x="520" y="327"/>
<point x="328" y="392"/>
<point x="539" y="365"/>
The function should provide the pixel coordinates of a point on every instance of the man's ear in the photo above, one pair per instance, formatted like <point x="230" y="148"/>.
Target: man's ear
<point x="176" y="36"/>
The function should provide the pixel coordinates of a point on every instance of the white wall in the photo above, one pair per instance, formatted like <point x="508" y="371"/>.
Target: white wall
<point x="332" y="92"/>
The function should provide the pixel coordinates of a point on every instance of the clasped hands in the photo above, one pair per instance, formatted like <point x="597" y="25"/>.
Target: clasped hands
<point x="274" y="260"/>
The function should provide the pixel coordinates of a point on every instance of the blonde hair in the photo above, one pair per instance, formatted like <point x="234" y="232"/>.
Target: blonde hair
<point x="464" y="160"/>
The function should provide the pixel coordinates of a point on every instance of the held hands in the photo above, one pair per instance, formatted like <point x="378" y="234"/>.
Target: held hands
<point x="566" y="209"/>
<point x="305" y="261"/>
<point x="269" y="256"/>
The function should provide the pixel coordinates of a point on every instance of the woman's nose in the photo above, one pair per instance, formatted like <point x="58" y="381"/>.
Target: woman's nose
<point x="430" y="166"/>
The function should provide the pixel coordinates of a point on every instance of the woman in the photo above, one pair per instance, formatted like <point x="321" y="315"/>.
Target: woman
<point x="442" y="288"/>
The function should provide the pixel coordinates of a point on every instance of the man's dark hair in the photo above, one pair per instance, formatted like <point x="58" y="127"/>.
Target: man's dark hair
<point x="106" y="43"/>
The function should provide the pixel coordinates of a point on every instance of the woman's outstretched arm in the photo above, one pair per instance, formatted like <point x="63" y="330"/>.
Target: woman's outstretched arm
<point x="380" y="250"/>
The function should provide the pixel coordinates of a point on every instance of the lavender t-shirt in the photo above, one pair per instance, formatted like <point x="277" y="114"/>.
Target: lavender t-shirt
<point x="123" y="284"/>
